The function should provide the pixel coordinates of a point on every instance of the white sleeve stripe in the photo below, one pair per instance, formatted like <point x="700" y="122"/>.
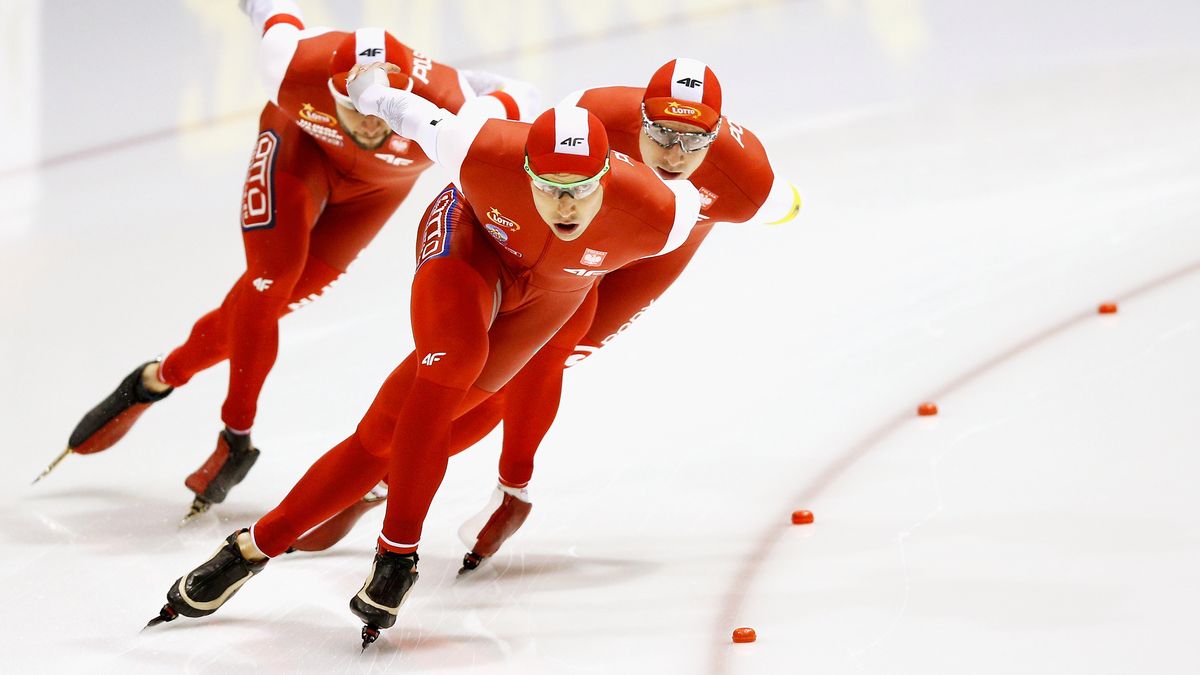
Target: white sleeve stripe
<point x="571" y="131"/>
<point x="483" y="106"/>
<point x="687" y="212"/>
<point x="368" y="46"/>
<point x="467" y="92"/>
<point x="691" y="71"/>
<point x="276" y="52"/>
<point x="454" y="138"/>
<point x="572" y="99"/>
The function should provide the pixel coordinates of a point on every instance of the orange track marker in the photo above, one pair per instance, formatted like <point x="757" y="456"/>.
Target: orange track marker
<point x="802" y="517"/>
<point x="741" y="635"/>
<point x="927" y="409"/>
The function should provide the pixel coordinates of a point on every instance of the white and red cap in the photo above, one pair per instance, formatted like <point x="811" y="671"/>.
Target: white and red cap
<point x="364" y="46"/>
<point x="567" y="139"/>
<point x="684" y="90"/>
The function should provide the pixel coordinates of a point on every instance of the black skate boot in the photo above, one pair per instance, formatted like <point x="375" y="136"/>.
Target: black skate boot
<point x="483" y="534"/>
<point x="203" y="590"/>
<point x="336" y="528"/>
<point x="379" y="600"/>
<point x="224" y="468"/>
<point x="111" y="419"/>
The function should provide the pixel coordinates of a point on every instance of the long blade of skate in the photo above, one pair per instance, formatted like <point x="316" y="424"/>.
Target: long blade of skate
<point x="370" y="633"/>
<point x="167" y="613"/>
<point x="199" y="506"/>
<point x="53" y="464"/>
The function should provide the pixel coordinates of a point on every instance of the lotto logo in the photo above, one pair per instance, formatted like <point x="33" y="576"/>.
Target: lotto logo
<point x="258" y="203"/>
<point x="571" y="141"/>
<point x="680" y="110"/>
<point x="689" y="82"/>
<point x="432" y="358"/>
<point x="502" y="220"/>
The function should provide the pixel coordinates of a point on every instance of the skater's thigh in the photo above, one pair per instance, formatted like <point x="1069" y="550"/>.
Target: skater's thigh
<point x="516" y="335"/>
<point x="625" y="293"/>
<point x="286" y="187"/>
<point x="345" y="228"/>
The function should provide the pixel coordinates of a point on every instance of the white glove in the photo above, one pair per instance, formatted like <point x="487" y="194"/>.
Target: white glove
<point x="361" y="80"/>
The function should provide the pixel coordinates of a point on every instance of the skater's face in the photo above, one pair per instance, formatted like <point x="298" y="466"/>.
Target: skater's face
<point x="567" y="216"/>
<point x="367" y="131"/>
<point x="673" y="162"/>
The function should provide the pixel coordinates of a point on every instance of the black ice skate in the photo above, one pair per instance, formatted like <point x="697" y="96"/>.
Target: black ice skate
<point x="111" y="419"/>
<point x="380" y="598"/>
<point x="483" y="534"/>
<point x="203" y="590"/>
<point x="224" y="468"/>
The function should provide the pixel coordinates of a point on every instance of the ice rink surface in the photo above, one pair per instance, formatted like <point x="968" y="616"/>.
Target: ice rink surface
<point x="977" y="178"/>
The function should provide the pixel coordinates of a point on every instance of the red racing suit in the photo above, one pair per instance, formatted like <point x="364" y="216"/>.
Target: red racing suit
<point x="493" y="284"/>
<point x="736" y="184"/>
<point x="312" y="200"/>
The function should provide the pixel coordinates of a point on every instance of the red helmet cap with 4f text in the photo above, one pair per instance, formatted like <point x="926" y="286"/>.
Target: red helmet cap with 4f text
<point x="364" y="46"/>
<point x="684" y="90"/>
<point x="567" y="139"/>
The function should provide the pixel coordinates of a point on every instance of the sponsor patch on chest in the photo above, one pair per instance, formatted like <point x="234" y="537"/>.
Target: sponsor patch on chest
<point x="502" y="220"/>
<point x="592" y="257"/>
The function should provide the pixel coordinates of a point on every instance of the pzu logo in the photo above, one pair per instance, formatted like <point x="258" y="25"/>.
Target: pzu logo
<point x="689" y="82"/>
<point x="571" y="141"/>
<point x="371" y="51"/>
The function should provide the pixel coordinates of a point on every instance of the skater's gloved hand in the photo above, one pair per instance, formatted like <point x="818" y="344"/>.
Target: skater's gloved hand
<point x="407" y="114"/>
<point x="360" y="83"/>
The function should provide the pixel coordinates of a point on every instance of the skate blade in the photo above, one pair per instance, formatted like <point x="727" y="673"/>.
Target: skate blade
<point x="370" y="633"/>
<point x="471" y="562"/>
<point x="164" y="615"/>
<point x="200" y="505"/>
<point x="53" y="465"/>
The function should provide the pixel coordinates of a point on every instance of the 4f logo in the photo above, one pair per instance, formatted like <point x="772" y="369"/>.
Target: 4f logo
<point x="262" y="284"/>
<point x="689" y="82"/>
<point x="571" y="141"/>
<point x="432" y="358"/>
<point x="392" y="159"/>
<point x="371" y="51"/>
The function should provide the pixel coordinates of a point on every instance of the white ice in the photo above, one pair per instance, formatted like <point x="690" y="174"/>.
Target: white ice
<point x="977" y="178"/>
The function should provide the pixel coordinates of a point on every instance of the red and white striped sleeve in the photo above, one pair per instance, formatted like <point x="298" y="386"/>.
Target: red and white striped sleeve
<point x="500" y="97"/>
<point x="687" y="213"/>
<point x="443" y="136"/>
<point x="281" y="25"/>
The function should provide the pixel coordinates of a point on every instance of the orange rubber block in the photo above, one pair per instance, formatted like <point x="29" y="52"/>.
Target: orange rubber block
<point x="741" y="635"/>
<point x="802" y="517"/>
